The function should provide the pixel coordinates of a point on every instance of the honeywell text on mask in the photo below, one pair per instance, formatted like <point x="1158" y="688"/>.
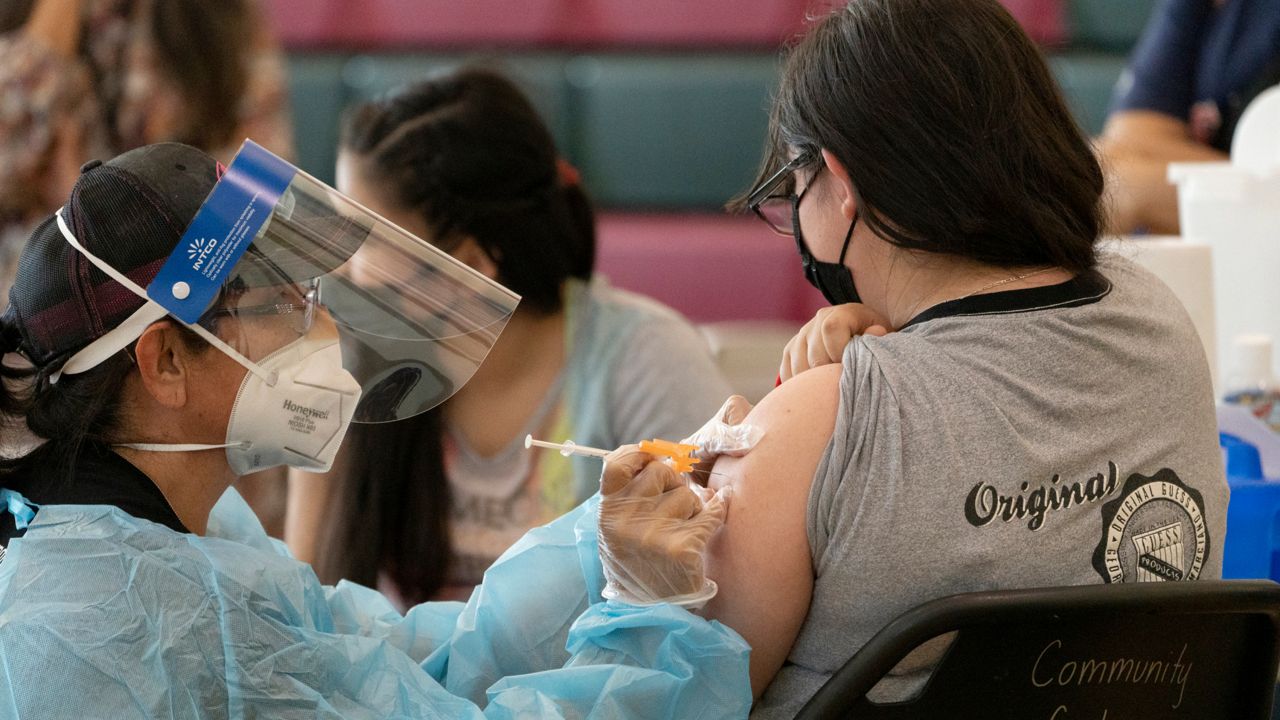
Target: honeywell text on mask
<point x="305" y="411"/>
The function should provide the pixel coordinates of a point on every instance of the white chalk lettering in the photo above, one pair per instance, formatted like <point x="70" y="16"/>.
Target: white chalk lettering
<point x="1095" y="671"/>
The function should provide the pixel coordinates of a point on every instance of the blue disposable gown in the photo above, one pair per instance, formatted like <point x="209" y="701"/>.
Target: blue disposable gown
<point x="103" y="615"/>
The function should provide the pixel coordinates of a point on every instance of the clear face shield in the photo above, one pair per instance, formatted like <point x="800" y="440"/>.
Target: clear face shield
<point x="412" y="323"/>
<point x="337" y="314"/>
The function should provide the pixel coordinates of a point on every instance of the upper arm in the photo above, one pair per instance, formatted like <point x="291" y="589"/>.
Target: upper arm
<point x="761" y="558"/>
<point x="56" y="25"/>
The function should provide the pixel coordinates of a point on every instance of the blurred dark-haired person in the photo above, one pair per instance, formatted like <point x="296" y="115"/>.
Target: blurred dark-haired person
<point x="422" y="507"/>
<point x="1031" y="411"/>
<point x="1196" y="68"/>
<point x="89" y="79"/>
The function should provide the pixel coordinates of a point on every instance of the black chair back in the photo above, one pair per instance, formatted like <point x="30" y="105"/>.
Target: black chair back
<point x="1198" y="650"/>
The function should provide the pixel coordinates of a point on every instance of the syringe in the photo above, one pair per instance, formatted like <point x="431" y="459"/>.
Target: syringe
<point x="677" y="455"/>
<point x="566" y="448"/>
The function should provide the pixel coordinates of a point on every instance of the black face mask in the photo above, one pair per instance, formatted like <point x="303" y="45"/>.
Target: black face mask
<point x="832" y="279"/>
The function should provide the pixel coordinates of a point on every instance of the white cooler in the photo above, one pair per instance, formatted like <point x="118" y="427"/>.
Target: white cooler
<point x="1234" y="208"/>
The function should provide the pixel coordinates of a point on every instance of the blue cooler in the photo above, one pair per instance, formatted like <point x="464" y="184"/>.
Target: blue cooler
<point x="1252" y="548"/>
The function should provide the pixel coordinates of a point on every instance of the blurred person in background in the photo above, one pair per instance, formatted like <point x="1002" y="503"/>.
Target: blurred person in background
<point x="89" y="79"/>
<point x="421" y="507"/>
<point x="86" y="79"/>
<point x="1197" y="67"/>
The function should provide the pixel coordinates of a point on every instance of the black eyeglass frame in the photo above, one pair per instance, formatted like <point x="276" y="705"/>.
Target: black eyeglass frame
<point x="764" y="193"/>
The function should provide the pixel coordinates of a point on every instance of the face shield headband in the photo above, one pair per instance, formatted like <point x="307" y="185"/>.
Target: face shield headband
<point x="401" y="325"/>
<point x="119" y="337"/>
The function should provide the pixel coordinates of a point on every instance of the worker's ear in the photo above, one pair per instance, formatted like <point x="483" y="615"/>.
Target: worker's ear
<point x="164" y="363"/>
<point x="844" y="186"/>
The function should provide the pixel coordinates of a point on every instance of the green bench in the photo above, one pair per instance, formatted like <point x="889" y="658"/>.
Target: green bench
<point x="664" y="130"/>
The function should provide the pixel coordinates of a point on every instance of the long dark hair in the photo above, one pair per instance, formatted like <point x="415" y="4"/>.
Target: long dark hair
<point x="470" y="155"/>
<point x="956" y="138"/>
<point x="84" y="408"/>
<point x="14" y="14"/>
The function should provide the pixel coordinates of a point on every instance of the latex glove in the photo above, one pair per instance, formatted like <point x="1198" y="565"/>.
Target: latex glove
<point x="723" y="434"/>
<point x="653" y="532"/>
<point x="822" y="340"/>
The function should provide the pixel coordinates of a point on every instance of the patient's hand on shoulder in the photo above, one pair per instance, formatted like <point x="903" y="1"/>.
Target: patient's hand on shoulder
<point x="760" y="558"/>
<point x="822" y="340"/>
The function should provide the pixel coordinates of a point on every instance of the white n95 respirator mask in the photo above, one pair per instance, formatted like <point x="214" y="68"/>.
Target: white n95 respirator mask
<point x="301" y="419"/>
<point x="292" y="409"/>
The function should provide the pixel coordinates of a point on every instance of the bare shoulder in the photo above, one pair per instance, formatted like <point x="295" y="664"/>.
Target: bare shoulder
<point x="760" y="558"/>
<point x="798" y="418"/>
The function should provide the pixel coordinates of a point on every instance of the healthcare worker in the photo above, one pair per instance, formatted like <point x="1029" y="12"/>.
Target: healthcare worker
<point x="177" y="330"/>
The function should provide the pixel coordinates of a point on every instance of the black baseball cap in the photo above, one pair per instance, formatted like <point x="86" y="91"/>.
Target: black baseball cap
<point x="130" y="212"/>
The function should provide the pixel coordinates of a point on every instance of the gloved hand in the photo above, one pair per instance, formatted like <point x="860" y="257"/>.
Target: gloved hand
<point x="723" y="434"/>
<point x="822" y="340"/>
<point x="653" y="532"/>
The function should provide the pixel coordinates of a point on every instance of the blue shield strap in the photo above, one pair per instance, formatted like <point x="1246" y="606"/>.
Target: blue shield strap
<point x="227" y="223"/>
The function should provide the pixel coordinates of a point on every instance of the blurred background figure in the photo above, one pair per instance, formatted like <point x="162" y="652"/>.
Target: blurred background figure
<point x="422" y="507"/>
<point x="89" y="79"/>
<point x="1198" y="65"/>
<point x="85" y="79"/>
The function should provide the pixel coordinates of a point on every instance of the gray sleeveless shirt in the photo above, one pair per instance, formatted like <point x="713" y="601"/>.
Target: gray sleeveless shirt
<point x="1063" y="435"/>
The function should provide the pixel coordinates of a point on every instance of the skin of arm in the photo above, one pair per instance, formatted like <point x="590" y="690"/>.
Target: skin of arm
<point x="56" y="24"/>
<point x="1135" y="149"/>
<point x="761" y="558"/>
<point x="305" y="509"/>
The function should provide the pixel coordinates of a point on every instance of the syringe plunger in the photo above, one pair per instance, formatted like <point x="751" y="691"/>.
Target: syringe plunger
<point x="567" y="448"/>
